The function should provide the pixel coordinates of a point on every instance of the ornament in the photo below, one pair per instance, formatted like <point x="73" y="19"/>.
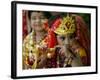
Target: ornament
<point x="49" y="55"/>
<point x="66" y="26"/>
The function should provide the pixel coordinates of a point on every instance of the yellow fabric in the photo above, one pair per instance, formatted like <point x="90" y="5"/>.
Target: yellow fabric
<point x="82" y="52"/>
<point x="29" y="46"/>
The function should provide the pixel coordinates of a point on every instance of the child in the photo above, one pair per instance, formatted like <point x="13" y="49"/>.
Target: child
<point x="69" y="51"/>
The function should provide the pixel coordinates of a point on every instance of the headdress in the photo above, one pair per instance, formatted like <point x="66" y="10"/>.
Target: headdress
<point x="64" y="26"/>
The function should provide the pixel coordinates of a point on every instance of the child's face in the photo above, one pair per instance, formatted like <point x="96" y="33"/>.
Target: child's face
<point x="37" y="21"/>
<point x="61" y="39"/>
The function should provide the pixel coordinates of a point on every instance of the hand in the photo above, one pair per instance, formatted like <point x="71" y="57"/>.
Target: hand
<point x="42" y="61"/>
<point x="42" y="48"/>
<point x="62" y="50"/>
<point x="31" y="60"/>
<point x="77" y="61"/>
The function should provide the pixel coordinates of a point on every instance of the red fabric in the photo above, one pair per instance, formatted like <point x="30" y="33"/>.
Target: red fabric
<point x="51" y="38"/>
<point x="56" y="24"/>
<point x="24" y="24"/>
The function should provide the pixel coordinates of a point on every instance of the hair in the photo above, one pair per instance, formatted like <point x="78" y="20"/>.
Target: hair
<point x="83" y="37"/>
<point x="46" y="14"/>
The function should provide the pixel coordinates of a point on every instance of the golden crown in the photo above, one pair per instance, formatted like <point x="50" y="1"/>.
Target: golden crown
<point x="67" y="26"/>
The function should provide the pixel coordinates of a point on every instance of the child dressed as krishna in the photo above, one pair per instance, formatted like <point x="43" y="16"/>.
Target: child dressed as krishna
<point x="72" y="35"/>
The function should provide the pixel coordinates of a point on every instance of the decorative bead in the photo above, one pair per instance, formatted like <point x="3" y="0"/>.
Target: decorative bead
<point x="49" y="55"/>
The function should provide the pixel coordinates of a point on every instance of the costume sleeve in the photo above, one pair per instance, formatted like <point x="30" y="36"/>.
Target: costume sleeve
<point x="83" y="56"/>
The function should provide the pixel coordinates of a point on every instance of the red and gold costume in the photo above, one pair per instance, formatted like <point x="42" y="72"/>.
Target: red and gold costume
<point x="33" y="52"/>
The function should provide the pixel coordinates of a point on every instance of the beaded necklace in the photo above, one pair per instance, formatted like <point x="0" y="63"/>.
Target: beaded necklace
<point x="38" y="42"/>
